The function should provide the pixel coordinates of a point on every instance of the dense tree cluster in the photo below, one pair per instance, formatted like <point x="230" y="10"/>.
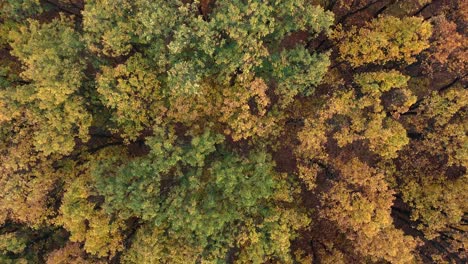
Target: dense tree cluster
<point x="242" y="131"/>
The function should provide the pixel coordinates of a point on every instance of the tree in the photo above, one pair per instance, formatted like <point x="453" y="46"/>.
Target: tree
<point x="362" y="118"/>
<point x="432" y="183"/>
<point x="81" y="215"/>
<point x="359" y="203"/>
<point x="133" y="188"/>
<point x="12" y="242"/>
<point x="296" y="71"/>
<point x="216" y="208"/>
<point x="70" y="253"/>
<point x="384" y="39"/>
<point x="236" y="51"/>
<point x="17" y="10"/>
<point x="55" y="68"/>
<point x="447" y="48"/>
<point x="119" y="87"/>
<point x="243" y="131"/>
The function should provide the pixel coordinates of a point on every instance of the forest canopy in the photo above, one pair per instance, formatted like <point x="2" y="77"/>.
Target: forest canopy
<point x="233" y="131"/>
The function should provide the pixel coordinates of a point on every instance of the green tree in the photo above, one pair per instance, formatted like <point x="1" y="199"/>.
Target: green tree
<point x="243" y="131"/>
<point x="82" y="216"/>
<point x="135" y="94"/>
<point x="217" y="207"/>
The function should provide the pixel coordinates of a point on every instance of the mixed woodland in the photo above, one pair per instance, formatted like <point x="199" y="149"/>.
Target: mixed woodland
<point x="233" y="131"/>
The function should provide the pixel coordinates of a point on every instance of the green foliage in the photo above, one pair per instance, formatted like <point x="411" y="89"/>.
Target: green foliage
<point x="112" y="29"/>
<point x="297" y="71"/>
<point x="12" y="242"/>
<point x="132" y="189"/>
<point x="186" y="57"/>
<point x="229" y="187"/>
<point x="120" y="86"/>
<point x="234" y="39"/>
<point x="215" y="208"/>
<point x="243" y="131"/>
<point x="19" y="9"/>
<point x="82" y="216"/>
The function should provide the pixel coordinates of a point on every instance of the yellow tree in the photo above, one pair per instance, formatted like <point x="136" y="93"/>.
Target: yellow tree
<point x="359" y="203"/>
<point x="384" y="39"/>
